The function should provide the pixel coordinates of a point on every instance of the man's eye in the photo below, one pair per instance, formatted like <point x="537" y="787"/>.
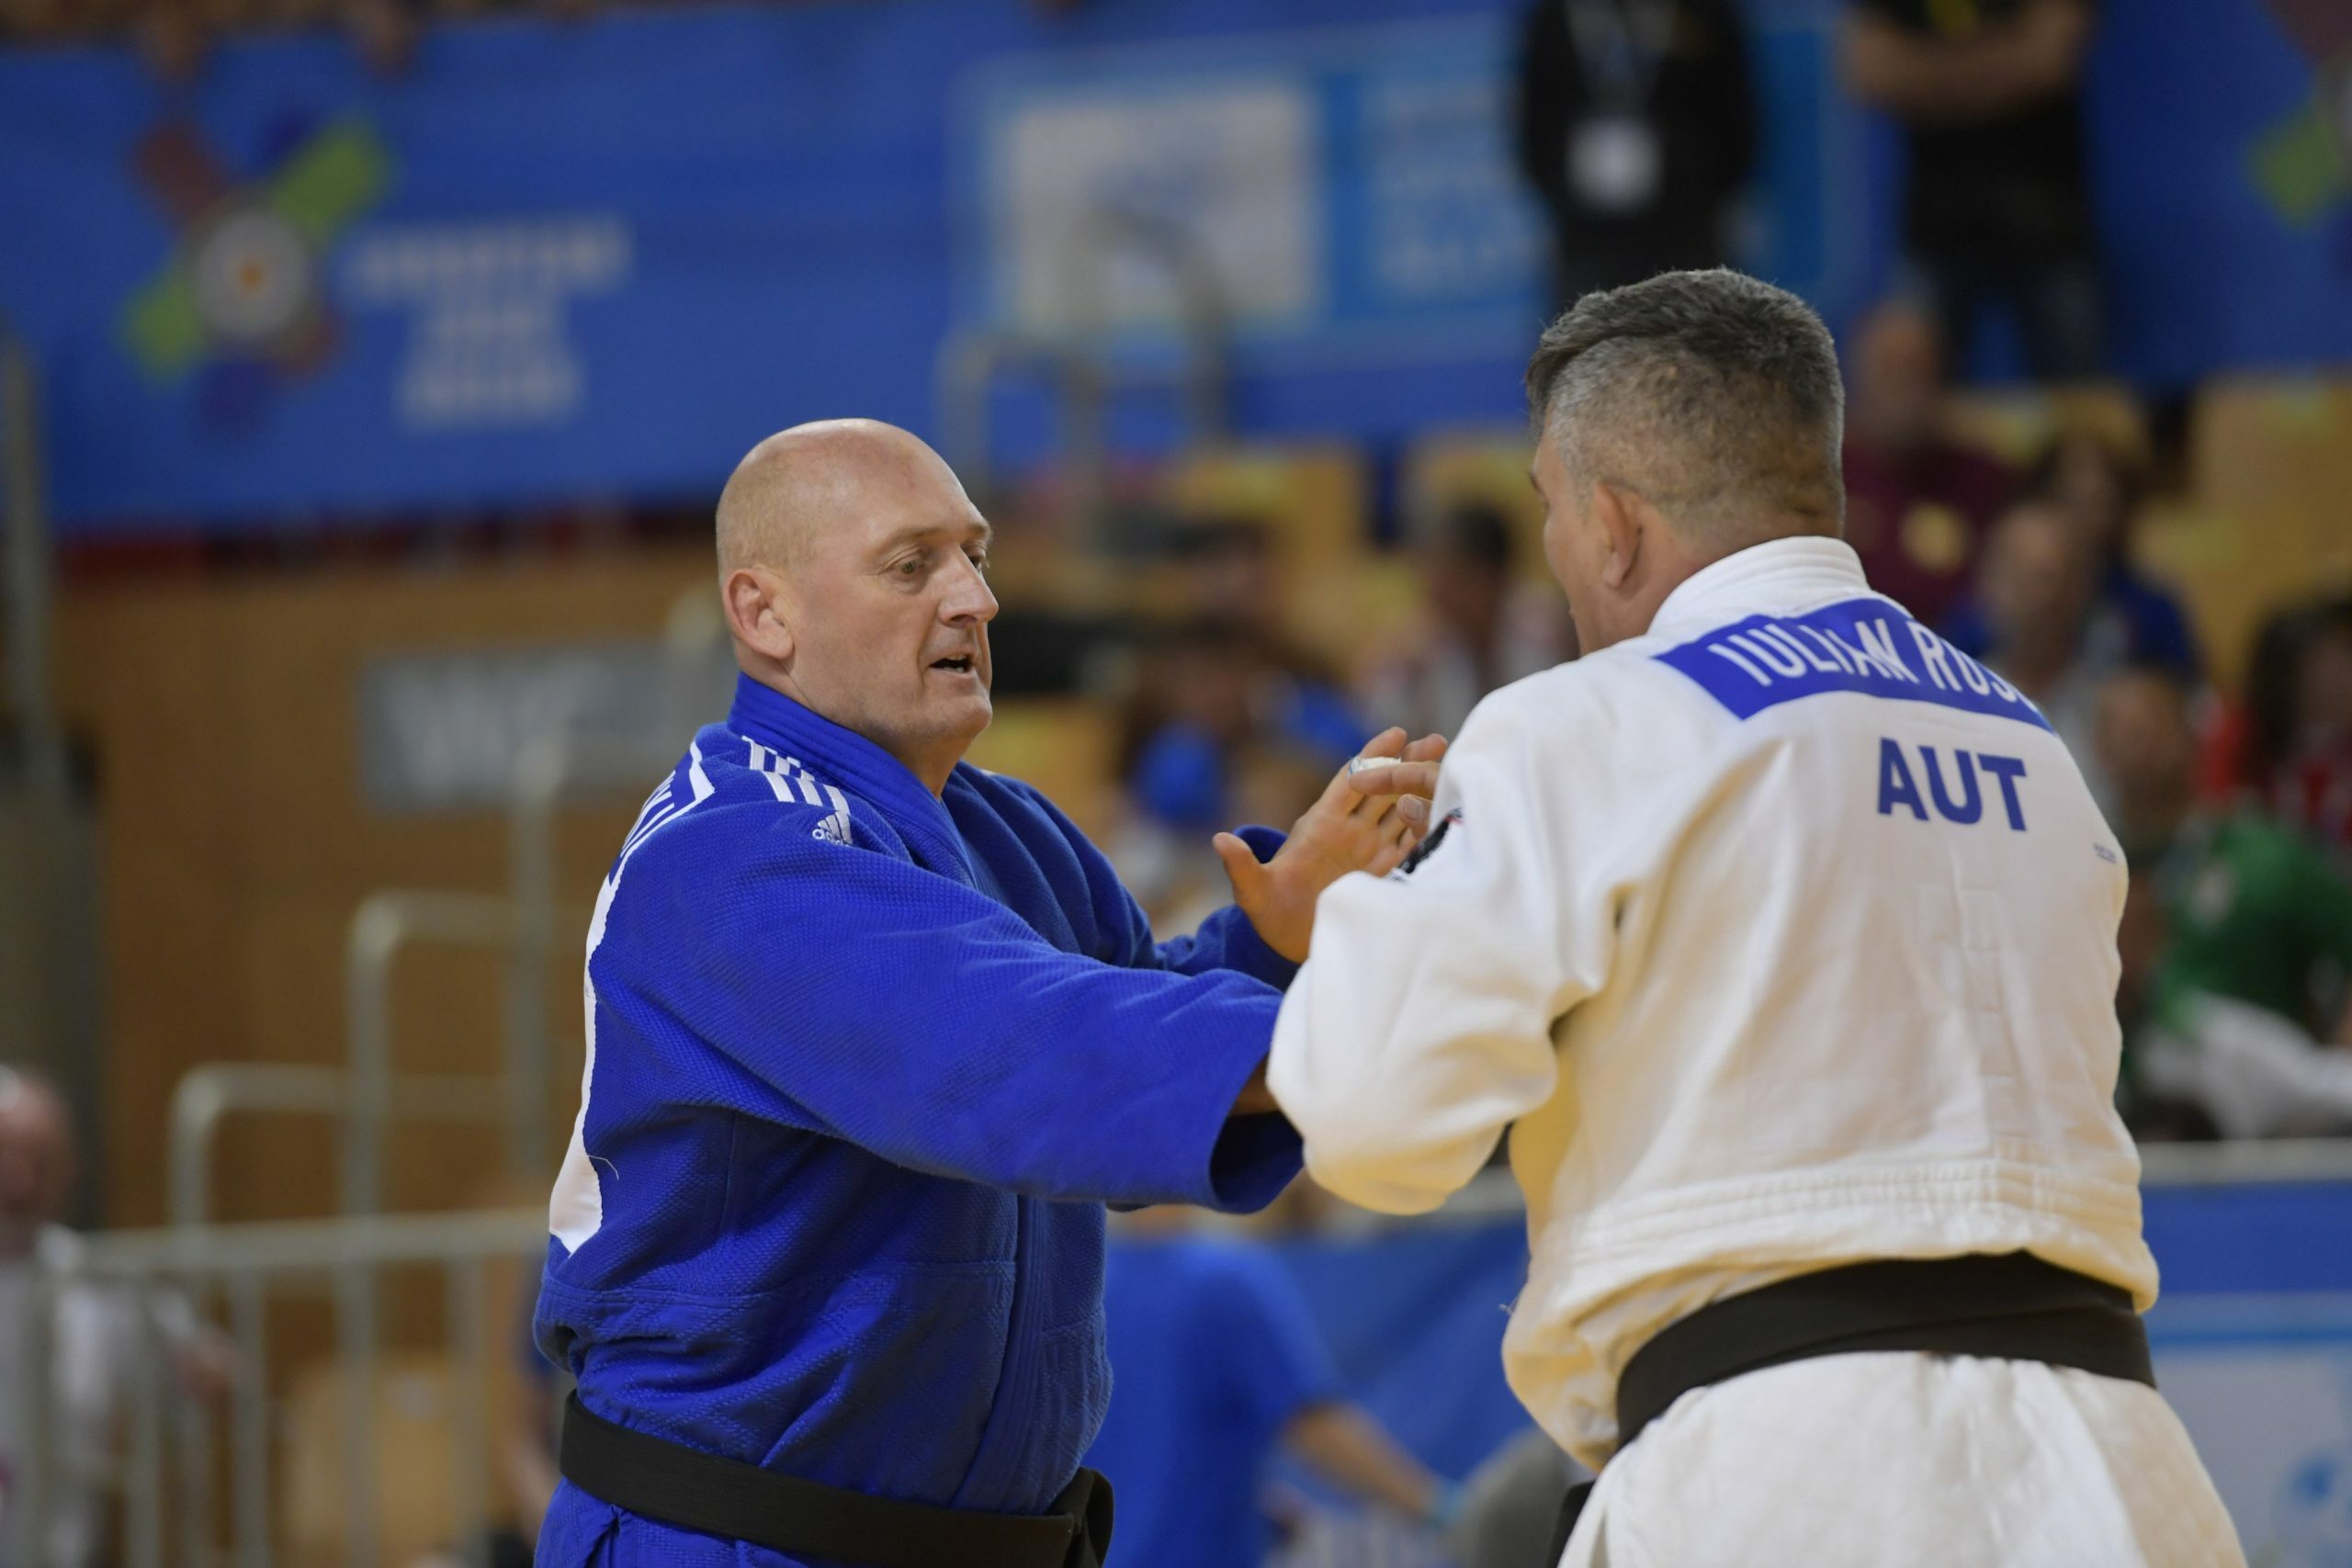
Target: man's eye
<point x="909" y="568"/>
<point x="979" y="560"/>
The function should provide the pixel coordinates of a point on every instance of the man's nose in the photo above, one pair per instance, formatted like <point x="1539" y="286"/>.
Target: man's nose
<point x="969" y="598"/>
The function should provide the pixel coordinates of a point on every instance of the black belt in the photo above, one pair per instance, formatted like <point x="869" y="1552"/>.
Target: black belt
<point x="696" y="1491"/>
<point x="2010" y="1308"/>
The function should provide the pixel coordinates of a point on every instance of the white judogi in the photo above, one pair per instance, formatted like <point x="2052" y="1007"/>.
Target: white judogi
<point x="1782" y="937"/>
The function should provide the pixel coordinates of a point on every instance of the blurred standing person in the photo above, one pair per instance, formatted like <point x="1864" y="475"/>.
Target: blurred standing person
<point x="1482" y="628"/>
<point x="1636" y="129"/>
<point x="96" y="1348"/>
<point x="1918" y="502"/>
<point x="1998" y="207"/>
<point x="1216" y="1365"/>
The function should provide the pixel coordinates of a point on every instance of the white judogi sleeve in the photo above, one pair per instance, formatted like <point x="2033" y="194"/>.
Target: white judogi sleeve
<point x="1421" y="1024"/>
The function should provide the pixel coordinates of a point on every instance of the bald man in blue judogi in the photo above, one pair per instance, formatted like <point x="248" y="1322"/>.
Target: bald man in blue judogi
<point x="873" y="1036"/>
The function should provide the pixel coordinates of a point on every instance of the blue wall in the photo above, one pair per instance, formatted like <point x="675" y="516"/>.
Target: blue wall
<point x="554" y="260"/>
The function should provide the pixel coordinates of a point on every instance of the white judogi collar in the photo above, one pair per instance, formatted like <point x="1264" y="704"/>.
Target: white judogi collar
<point x="1811" y="569"/>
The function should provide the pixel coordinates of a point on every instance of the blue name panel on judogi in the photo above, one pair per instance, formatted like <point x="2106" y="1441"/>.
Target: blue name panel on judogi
<point x="1867" y="645"/>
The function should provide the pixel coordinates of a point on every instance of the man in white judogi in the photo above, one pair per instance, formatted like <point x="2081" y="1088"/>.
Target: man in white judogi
<point x="1782" y="935"/>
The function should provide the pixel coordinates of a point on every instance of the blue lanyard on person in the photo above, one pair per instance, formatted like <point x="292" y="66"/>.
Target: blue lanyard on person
<point x="1615" y="163"/>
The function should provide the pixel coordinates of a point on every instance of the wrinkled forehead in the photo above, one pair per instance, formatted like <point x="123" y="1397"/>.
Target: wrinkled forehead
<point x="832" y="503"/>
<point x="877" y="514"/>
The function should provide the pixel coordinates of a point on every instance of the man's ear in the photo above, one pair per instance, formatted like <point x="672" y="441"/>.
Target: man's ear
<point x="1618" y="514"/>
<point x="752" y="598"/>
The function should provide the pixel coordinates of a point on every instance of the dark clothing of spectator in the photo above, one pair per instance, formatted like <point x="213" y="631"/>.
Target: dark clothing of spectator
<point x="2146" y="615"/>
<point x="1636" y="127"/>
<point x="1998" y="205"/>
<point x="1916" y="519"/>
<point x="2010" y="187"/>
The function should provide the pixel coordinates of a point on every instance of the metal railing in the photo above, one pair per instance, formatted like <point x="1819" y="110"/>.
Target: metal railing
<point x="243" y="1264"/>
<point x="208" y="1096"/>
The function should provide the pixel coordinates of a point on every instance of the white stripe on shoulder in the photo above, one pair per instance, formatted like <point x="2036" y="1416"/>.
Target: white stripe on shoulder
<point x="652" y="819"/>
<point x="576" y="1207"/>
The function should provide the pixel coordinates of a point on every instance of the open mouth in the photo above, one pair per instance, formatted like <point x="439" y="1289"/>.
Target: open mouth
<point x="961" y="663"/>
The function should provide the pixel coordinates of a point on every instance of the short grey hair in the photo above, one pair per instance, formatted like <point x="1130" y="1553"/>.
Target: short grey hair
<point x="1713" y="395"/>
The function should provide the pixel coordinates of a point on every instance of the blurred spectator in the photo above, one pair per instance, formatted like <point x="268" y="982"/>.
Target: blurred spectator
<point x="98" y="1349"/>
<point x="1482" y="628"/>
<point x="2252" y="910"/>
<point x="2288" y="749"/>
<point x="386" y="32"/>
<point x="1511" y="1504"/>
<point x="2198" y="1066"/>
<point x="1230" y="569"/>
<point x="1215" y="1366"/>
<point x="2235" y="942"/>
<point x="171" y="38"/>
<point x="1917" y="503"/>
<point x="1636" y="128"/>
<point x="2037" y="583"/>
<point x="1998" y="208"/>
<point x="1225" y="699"/>
<point x="1215" y="712"/>
<point x="2098" y="486"/>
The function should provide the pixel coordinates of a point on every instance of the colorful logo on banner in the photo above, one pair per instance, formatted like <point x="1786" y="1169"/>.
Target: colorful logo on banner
<point x="242" y="299"/>
<point x="2304" y="164"/>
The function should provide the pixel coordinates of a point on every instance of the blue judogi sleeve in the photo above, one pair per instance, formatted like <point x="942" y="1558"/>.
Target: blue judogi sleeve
<point x="1224" y="940"/>
<point x="855" y="994"/>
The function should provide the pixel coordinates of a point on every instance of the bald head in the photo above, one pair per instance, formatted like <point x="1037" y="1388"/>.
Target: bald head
<point x="851" y="570"/>
<point x="802" y="484"/>
<point x="36" y="1158"/>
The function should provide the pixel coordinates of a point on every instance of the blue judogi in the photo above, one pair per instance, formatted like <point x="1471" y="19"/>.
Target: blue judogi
<point x="865" y="1064"/>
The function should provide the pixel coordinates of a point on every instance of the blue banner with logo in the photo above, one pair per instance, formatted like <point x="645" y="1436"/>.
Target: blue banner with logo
<point x="556" y="260"/>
